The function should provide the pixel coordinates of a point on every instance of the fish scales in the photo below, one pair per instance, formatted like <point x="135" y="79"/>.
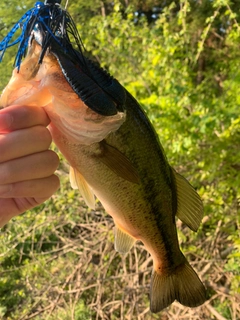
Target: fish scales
<point x="112" y="148"/>
<point x="134" y="206"/>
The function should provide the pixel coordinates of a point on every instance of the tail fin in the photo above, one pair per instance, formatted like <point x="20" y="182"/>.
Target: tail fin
<point x="182" y="285"/>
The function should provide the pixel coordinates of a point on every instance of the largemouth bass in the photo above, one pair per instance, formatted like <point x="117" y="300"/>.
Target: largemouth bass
<point x="119" y="159"/>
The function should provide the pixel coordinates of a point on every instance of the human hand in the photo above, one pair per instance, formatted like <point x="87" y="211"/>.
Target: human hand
<point x="26" y="165"/>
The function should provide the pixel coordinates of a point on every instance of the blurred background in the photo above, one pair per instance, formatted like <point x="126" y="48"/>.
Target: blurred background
<point x="180" y="59"/>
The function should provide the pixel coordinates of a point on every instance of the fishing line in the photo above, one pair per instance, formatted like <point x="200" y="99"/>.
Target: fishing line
<point x="66" y="5"/>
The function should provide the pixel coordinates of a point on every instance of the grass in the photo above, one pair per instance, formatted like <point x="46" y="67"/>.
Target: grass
<point x="58" y="262"/>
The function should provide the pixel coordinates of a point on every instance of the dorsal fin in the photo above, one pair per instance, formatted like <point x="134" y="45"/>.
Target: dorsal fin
<point x="189" y="204"/>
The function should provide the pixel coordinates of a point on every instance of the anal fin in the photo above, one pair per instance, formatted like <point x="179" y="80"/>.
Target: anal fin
<point x="123" y="242"/>
<point x="189" y="204"/>
<point x="78" y="182"/>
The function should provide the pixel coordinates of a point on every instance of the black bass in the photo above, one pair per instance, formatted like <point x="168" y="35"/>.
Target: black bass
<point x="115" y="155"/>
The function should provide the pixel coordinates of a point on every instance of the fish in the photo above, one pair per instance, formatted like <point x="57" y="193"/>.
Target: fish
<point x="114" y="153"/>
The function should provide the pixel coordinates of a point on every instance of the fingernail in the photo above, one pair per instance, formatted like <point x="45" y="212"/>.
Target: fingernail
<point x="5" y="121"/>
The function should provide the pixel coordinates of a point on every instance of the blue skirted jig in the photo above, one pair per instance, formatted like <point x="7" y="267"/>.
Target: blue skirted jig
<point x="50" y="22"/>
<point x="53" y="28"/>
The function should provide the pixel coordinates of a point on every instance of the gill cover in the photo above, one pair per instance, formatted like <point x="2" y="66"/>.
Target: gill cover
<point x="50" y="26"/>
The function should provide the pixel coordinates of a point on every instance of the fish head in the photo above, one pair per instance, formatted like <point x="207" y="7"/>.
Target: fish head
<point x="83" y="101"/>
<point x="45" y="85"/>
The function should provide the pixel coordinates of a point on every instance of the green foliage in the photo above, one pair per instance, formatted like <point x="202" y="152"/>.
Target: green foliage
<point x="183" y="69"/>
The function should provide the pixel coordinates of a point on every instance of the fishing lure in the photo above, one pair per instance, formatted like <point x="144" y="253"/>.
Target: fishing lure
<point x="52" y="27"/>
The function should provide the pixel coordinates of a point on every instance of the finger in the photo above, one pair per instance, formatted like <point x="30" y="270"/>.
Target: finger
<point x="14" y="206"/>
<point x="34" y="166"/>
<point x="38" y="188"/>
<point x="23" y="142"/>
<point x="19" y="117"/>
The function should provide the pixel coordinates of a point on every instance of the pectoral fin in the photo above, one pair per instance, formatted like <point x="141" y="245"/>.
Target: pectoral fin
<point x="119" y="163"/>
<point x="189" y="204"/>
<point x="123" y="241"/>
<point x="78" y="182"/>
